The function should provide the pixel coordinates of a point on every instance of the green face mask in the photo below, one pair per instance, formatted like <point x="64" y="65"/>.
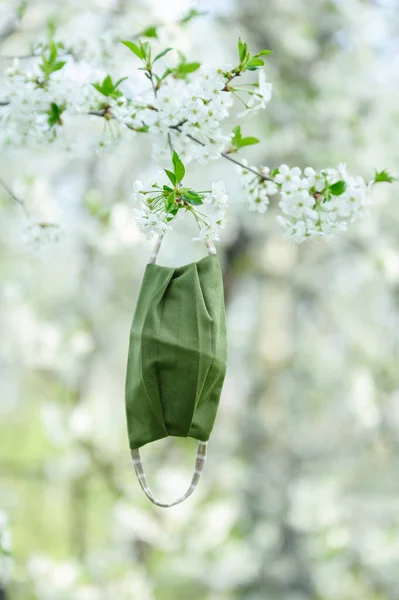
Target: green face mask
<point x="177" y="359"/>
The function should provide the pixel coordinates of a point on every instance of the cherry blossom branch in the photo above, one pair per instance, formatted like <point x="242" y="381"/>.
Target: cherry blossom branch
<point x="225" y="155"/>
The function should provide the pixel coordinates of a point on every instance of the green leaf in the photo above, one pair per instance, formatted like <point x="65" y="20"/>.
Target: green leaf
<point x="191" y="197"/>
<point x="180" y="171"/>
<point x="54" y="114"/>
<point x="275" y="172"/>
<point x="167" y="73"/>
<point x="170" y="201"/>
<point x="117" y="84"/>
<point x="249" y="141"/>
<point x="263" y="53"/>
<point x="254" y="63"/>
<point x="161" y="54"/>
<point x="53" y="51"/>
<point x="338" y="188"/>
<point x="239" y="142"/>
<point x="108" y="86"/>
<point x="145" y="50"/>
<point x="185" y="68"/>
<point x="192" y="14"/>
<point x="383" y="176"/>
<point x="134" y="48"/>
<point x="58" y="65"/>
<point x="150" y="32"/>
<point x="171" y="176"/>
<point x="98" y="87"/>
<point x="236" y="140"/>
<point x="166" y="188"/>
<point x="242" y="50"/>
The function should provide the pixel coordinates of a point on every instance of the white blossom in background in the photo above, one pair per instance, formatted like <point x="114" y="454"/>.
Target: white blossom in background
<point x="6" y="561"/>
<point x="66" y="580"/>
<point x="41" y="236"/>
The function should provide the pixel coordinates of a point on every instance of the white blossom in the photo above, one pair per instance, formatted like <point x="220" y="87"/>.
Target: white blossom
<point x="258" y="190"/>
<point x="259" y="96"/>
<point x="151" y="222"/>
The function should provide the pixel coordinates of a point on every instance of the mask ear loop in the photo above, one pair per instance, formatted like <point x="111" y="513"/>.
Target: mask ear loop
<point x="202" y="446"/>
<point x="141" y="476"/>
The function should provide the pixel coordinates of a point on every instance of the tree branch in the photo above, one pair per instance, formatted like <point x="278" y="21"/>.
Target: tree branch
<point x="14" y="196"/>
<point x="224" y="154"/>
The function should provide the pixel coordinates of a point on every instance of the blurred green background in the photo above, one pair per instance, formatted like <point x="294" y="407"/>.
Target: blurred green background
<point x="299" y="499"/>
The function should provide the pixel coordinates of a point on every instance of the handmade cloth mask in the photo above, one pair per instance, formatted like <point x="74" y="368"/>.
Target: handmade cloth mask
<point x="177" y="359"/>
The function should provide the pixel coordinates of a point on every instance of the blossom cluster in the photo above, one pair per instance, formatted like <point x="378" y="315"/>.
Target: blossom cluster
<point x="159" y="204"/>
<point x="38" y="105"/>
<point x="258" y="188"/>
<point x="184" y="108"/>
<point x="189" y="103"/>
<point x="313" y="203"/>
<point x="152" y="217"/>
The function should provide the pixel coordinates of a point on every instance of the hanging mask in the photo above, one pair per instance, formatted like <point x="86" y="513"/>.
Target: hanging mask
<point x="177" y="359"/>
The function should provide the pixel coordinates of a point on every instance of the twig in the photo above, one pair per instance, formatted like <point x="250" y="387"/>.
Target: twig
<point x="224" y="154"/>
<point x="209" y="243"/>
<point x="14" y="197"/>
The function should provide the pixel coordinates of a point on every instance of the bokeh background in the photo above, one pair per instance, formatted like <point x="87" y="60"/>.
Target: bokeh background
<point x="299" y="499"/>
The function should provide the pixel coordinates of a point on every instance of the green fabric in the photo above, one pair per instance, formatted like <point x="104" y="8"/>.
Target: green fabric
<point x="177" y="353"/>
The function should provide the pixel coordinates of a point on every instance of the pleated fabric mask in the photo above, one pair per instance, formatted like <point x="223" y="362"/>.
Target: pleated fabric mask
<point x="177" y="359"/>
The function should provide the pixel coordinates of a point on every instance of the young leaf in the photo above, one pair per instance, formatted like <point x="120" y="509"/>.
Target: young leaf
<point x="248" y="141"/>
<point x="134" y="48"/>
<point x="242" y="49"/>
<point x="161" y="54"/>
<point x="170" y="201"/>
<point x="53" y="51"/>
<point x="56" y="66"/>
<point x="191" y="197"/>
<point x="179" y="167"/>
<point x="254" y="63"/>
<point x="98" y="87"/>
<point x="54" y="114"/>
<point x="108" y="86"/>
<point x="117" y="84"/>
<point x="338" y="188"/>
<point x="239" y="142"/>
<point x="145" y="50"/>
<point x="185" y="68"/>
<point x="236" y="139"/>
<point x="263" y="53"/>
<point x="383" y="176"/>
<point x="171" y="176"/>
<point x="192" y="14"/>
<point x="150" y="32"/>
